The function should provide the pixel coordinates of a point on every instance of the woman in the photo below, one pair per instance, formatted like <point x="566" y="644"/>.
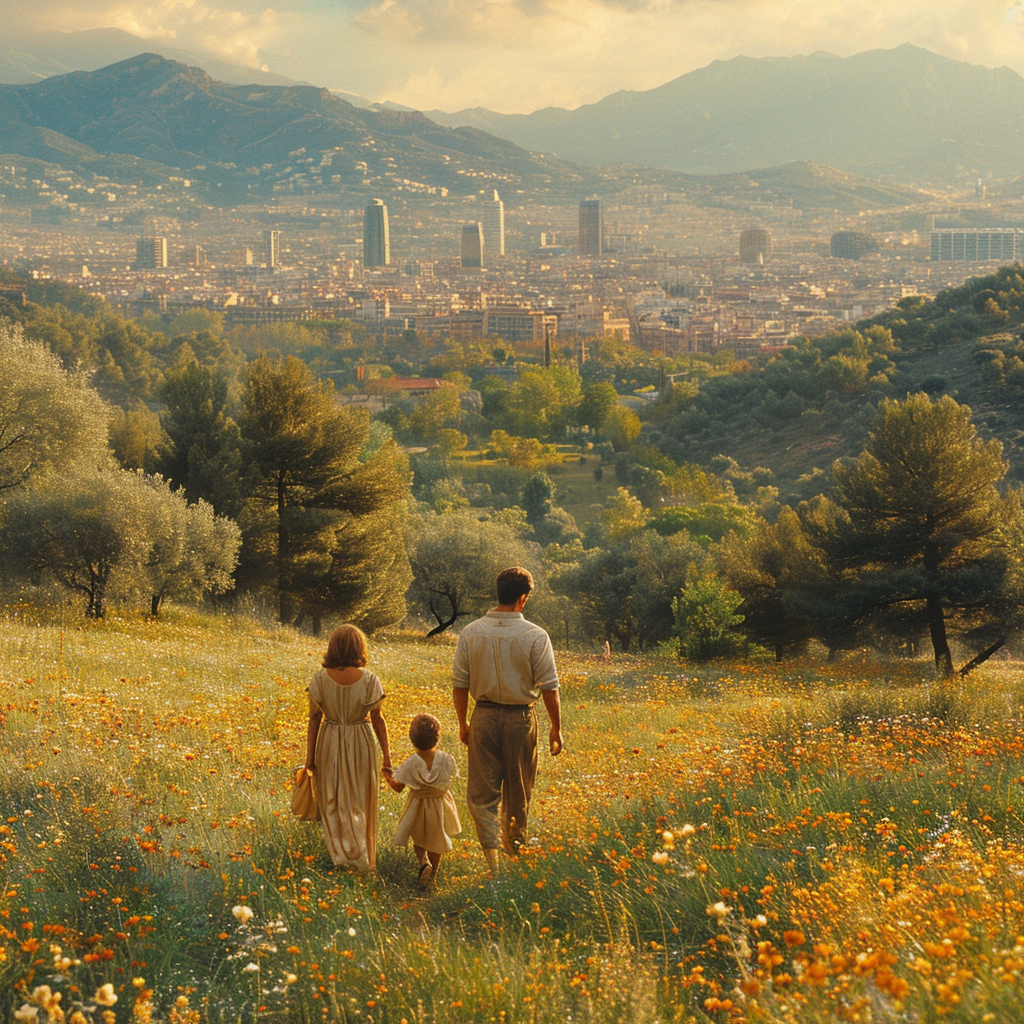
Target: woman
<point x="344" y="715"/>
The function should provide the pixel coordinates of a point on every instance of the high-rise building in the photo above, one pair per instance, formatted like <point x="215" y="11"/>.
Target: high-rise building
<point x="851" y="245"/>
<point x="151" y="253"/>
<point x="376" y="240"/>
<point x="976" y="245"/>
<point x="493" y="220"/>
<point x="755" y="245"/>
<point x="591" y="237"/>
<point x="271" y="247"/>
<point x="473" y="245"/>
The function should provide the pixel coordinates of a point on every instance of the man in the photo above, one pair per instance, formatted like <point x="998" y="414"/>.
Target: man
<point x="505" y="663"/>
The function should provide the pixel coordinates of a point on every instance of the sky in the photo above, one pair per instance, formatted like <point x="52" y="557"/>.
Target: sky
<point x="516" y="56"/>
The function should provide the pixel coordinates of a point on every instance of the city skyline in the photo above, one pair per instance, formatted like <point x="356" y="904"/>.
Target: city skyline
<point x="518" y="57"/>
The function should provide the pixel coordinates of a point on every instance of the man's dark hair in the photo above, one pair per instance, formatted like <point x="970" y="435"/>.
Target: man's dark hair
<point x="513" y="583"/>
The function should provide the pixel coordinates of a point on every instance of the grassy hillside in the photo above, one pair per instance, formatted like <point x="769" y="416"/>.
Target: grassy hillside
<point x="811" y="843"/>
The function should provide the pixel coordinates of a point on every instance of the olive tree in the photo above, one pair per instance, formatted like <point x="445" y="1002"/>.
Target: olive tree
<point x="115" y="534"/>
<point x="83" y="531"/>
<point x="456" y="557"/>
<point x="50" y="419"/>
<point x="191" y="551"/>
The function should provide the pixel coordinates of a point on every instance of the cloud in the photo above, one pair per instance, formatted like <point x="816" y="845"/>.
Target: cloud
<point x="228" y="33"/>
<point x="518" y="55"/>
<point x="450" y="22"/>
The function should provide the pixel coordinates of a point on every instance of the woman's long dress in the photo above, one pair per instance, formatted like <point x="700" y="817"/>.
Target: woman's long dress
<point x="346" y="767"/>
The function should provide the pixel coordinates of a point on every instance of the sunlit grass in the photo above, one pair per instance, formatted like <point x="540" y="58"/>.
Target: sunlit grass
<point x="804" y="842"/>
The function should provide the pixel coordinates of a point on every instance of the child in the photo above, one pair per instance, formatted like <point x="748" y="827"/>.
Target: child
<point x="430" y="817"/>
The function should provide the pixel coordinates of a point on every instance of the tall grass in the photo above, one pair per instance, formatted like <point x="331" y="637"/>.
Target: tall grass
<point x="805" y="843"/>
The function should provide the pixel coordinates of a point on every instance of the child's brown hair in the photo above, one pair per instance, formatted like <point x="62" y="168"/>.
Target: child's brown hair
<point x="424" y="732"/>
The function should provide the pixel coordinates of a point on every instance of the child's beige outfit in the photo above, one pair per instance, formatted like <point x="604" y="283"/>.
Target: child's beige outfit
<point x="430" y="817"/>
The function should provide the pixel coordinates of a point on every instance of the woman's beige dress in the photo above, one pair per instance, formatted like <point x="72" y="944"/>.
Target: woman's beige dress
<point x="430" y="817"/>
<point x="346" y="767"/>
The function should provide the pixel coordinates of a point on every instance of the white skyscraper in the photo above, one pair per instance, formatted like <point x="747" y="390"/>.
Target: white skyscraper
<point x="271" y="247"/>
<point x="493" y="219"/>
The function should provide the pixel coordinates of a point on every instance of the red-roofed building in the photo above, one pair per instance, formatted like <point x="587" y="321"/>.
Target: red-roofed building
<point x="416" y="386"/>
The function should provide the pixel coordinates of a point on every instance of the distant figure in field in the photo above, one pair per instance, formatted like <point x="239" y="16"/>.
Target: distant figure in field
<point x="430" y="817"/>
<point x="505" y="663"/>
<point x="344" y="716"/>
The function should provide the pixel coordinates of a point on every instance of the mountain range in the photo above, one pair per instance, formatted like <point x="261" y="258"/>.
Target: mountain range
<point x="905" y="113"/>
<point x="170" y="114"/>
<point x="148" y="117"/>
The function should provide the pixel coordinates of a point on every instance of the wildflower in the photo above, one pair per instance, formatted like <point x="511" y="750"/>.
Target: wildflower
<point x="759" y="922"/>
<point x="660" y="857"/>
<point x="181" y="1002"/>
<point x="351" y="931"/>
<point x="26" y="1014"/>
<point x="719" y="911"/>
<point x="44" y="997"/>
<point x="291" y="978"/>
<point x="139" y="982"/>
<point x="250" y="967"/>
<point x="242" y="913"/>
<point x="687" y="830"/>
<point x="105" y="995"/>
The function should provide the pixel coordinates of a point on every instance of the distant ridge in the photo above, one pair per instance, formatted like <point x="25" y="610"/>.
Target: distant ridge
<point x="149" y="119"/>
<point x="905" y="112"/>
<point x="251" y="136"/>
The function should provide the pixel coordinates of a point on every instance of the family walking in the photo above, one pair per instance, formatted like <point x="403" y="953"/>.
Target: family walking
<point x="505" y="663"/>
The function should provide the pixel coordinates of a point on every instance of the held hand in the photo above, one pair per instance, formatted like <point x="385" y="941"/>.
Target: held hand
<point x="464" y="734"/>
<point x="555" y="741"/>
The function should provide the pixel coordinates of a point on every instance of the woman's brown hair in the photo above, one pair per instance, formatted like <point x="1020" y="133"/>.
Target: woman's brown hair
<point x="346" y="648"/>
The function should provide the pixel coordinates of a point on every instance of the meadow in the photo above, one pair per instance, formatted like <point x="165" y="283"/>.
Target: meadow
<point x="742" y="842"/>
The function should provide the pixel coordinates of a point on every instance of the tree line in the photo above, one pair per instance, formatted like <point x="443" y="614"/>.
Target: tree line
<point x="246" y="473"/>
<point x="300" y="498"/>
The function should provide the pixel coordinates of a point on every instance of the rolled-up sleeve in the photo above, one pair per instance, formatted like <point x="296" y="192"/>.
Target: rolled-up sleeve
<point x="542" y="657"/>
<point x="460" y="666"/>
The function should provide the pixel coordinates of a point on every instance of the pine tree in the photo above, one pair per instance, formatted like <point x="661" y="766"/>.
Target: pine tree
<point x="927" y="522"/>
<point x="316" y="494"/>
<point x="764" y="569"/>
<point x="202" y="451"/>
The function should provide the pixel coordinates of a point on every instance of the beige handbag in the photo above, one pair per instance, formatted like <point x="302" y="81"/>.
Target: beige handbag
<point x="304" y="804"/>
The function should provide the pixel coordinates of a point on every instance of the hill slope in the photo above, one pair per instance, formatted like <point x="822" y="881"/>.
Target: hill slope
<point x="172" y="114"/>
<point x="905" y="111"/>
<point x="815" y="402"/>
